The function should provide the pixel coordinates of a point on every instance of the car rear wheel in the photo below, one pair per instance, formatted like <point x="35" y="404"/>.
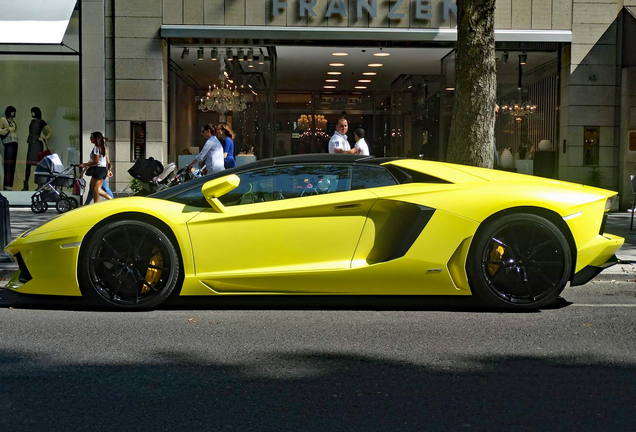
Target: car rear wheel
<point x="519" y="261"/>
<point x="129" y="264"/>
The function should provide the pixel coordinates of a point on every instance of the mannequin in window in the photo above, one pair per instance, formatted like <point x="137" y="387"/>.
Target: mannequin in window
<point x="9" y="143"/>
<point x="35" y="141"/>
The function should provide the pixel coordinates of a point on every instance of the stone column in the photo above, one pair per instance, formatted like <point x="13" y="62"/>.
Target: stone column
<point x="140" y="81"/>
<point x="93" y="72"/>
<point x="590" y="83"/>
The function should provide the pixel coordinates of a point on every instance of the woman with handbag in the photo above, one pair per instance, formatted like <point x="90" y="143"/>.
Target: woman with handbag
<point x="36" y="142"/>
<point x="97" y="167"/>
<point x="9" y="138"/>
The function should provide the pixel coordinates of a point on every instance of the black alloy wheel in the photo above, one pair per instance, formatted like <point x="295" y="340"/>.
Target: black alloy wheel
<point x="63" y="205"/>
<point x="519" y="261"/>
<point x="73" y="202"/>
<point x="129" y="264"/>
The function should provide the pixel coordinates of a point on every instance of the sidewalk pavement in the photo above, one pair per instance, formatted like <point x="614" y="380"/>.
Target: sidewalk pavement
<point x="618" y="223"/>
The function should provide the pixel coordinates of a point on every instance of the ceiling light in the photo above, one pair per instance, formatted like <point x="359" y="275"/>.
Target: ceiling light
<point x="340" y="54"/>
<point x="381" y="54"/>
<point x="331" y="80"/>
<point x="523" y="58"/>
<point x="250" y="55"/>
<point x="200" y="53"/>
<point x="450" y="88"/>
<point x="375" y="65"/>
<point x="184" y="53"/>
<point x="336" y="64"/>
<point x="250" y="65"/>
<point x="334" y="73"/>
<point x="505" y="57"/>
<point x="360" y="87"/>
<point x="260" y="59"/>
<point x="364" y="80"/>
<point x="330" y="87"/>
<point x="409" y="83"/>
<point x="241" y="55"/>
<point x="214" y="54"/>
<point x="229" y="54"/>
<point x="369" y="73"/>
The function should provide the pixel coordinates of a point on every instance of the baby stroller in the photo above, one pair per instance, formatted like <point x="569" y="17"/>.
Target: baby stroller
<point x="152" y="175"/>
<point x="51" y="177"/>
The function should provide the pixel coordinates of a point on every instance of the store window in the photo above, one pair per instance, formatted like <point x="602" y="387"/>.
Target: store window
<point x="528" y="99"/>
<point x="40" y="92"/>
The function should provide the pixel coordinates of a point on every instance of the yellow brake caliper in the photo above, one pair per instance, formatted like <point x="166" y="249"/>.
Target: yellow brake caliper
<point x="495" y="255"/>
<point x="153" y="274"/>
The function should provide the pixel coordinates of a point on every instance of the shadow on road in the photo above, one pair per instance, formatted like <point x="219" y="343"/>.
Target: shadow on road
<point x="407" y="303"/>
<point x="315" y="391"/>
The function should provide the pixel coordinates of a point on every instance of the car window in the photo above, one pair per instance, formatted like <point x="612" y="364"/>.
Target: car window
<point x="366" y="177"/>
<point x="287" y="182"/>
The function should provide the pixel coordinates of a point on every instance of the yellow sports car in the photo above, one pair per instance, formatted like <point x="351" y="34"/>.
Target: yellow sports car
<point x="328" y="224"/>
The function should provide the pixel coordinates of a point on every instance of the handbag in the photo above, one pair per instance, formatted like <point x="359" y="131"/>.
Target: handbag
<point x="78" y="186"/>
<point x="44" y="153"/>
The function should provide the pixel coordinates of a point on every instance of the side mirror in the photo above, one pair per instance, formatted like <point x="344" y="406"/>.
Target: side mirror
<point x="213" y="189"/>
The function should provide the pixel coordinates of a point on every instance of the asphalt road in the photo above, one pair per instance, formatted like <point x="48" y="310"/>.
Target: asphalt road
<point x="320" y="364"/>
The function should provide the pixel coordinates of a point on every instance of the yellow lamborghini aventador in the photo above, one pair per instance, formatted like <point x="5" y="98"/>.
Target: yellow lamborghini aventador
<point x="328" y="224"/>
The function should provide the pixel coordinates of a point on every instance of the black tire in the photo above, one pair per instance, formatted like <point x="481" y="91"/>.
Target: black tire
<point x="63" y="205"/>
<point x="39" y="206"/>
<point x="73" y="202"/>
<point x="118" y="259"/>
<point x="520" y="261"/>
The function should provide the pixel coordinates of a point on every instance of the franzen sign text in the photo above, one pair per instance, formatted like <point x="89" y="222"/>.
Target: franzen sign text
<point x="423" y="8"/>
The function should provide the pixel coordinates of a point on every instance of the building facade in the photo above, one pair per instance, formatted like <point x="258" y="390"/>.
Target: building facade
<point x="153" y="71"/>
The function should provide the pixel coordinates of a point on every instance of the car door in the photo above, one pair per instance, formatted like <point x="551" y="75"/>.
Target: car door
<point x="279" y="221"/>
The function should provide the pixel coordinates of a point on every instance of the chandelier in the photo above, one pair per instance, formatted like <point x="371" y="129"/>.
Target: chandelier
<point x="222" y="99"/>
<point x="519" y="110"/>
<point x="304" y="121"/>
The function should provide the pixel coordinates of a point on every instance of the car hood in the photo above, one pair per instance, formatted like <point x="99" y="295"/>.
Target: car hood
<point x="89" y="216"/>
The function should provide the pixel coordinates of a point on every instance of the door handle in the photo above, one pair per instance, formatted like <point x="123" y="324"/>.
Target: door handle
<point x="342" y="207"/>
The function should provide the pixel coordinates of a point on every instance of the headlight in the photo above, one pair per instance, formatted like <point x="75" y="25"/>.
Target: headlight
<point x="609" y="203"/>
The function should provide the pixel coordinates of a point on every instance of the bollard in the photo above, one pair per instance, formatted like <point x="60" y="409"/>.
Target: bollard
<point x="5" y="228"/>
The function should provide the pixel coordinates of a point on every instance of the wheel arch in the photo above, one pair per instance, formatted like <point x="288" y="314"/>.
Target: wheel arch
<point x="550" y="215"/>
<point x="152" y="220"/>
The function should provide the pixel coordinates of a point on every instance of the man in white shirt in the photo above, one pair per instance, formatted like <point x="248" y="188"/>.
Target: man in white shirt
<point x="361" y="145"/>
<point x="339" y="142"/>
<point x="211" y="155"/>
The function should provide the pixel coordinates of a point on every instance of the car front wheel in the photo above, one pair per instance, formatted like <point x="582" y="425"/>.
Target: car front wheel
<point x="519" y="261"/>
<point x="130" y="264"/>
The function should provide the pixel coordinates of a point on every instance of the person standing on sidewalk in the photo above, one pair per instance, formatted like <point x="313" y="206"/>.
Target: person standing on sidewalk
<point x="339" y="142"/>
<point x="360" y="146"/>
<point x="9" y="138"/>
<point x="226" y="136"/>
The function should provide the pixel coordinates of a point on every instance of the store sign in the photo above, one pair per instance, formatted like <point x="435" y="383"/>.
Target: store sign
<point x="423" y="8"/>
<point x="342" y="99"/>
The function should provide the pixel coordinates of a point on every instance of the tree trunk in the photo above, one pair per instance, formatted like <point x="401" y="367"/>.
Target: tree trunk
<point x="472" y="133"/>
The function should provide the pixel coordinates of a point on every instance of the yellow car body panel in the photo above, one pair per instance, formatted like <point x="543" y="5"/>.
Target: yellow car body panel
<point x="336" y="243"/>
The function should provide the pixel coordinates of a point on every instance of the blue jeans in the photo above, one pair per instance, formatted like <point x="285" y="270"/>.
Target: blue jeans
<point x="105" y="188"/>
